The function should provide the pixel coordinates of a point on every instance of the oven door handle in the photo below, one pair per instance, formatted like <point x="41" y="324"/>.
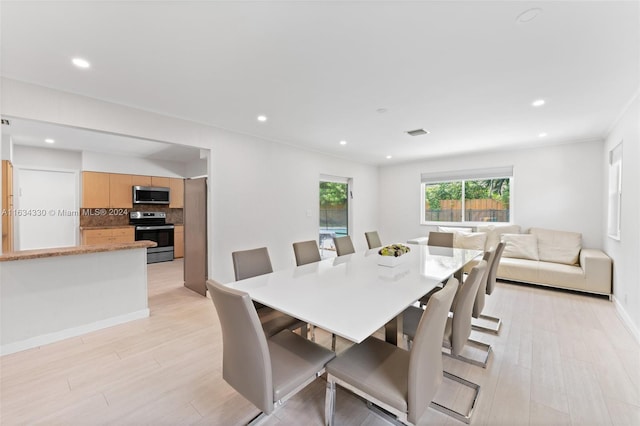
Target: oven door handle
<point x="153" y="228"/>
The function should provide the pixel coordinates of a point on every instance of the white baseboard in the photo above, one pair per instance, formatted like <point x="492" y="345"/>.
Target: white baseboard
<point x="45" y="339"/>
<point x="626" y="319"/>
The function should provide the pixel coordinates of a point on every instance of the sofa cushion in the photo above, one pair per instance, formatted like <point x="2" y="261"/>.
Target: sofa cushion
<point x="520" y="246"/>
<point x="518" y="270"/>
<point x="495" y="231"/>
<point x="469" y="240"/>
<point x="561" y="275"/>
<point x="558" y="246"/>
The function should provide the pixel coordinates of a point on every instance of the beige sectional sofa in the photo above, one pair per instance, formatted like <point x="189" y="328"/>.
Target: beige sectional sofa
<point x="543" y="256"/>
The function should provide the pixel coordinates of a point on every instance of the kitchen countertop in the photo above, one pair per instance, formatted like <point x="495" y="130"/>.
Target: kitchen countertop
<point x="82" y="228"/>
<point x="67" y="251"/>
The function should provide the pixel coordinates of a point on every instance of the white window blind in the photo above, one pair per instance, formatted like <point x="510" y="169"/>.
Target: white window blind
<point x="449" y="176"/>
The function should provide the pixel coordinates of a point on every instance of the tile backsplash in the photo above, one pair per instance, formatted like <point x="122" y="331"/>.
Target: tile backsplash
<point x="120" y="216"/>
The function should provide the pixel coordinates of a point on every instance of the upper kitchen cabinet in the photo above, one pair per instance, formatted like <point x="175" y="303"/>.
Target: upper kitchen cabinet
<point x="160" y="181"/>
<point x="120" y="195"/>
<point x="100" y="190"/>
<point x="177" y="193"/>
<point x="139" y="180"/>
<point x="95" y="190"/>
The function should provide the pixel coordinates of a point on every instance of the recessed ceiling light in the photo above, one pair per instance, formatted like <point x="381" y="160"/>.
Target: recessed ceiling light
<point x="343" y="142"/>
<point x="389" y="157"/>
<point x="262" y="118"/>
<point x="528" y="15"/>
<point x="81" y="63"/>
<point x="538" y="102"/>
<point x="49" y="140"/>
<point x="542" y="135"/>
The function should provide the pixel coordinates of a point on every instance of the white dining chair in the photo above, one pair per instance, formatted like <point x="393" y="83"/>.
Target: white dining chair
<point x="267" y="371"/>
<point x="254" y="262"/>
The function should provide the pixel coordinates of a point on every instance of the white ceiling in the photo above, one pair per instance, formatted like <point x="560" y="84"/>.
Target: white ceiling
<point x="466" y="71"/>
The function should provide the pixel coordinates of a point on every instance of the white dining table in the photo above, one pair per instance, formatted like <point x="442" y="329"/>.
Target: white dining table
<point x="352" y="296"/>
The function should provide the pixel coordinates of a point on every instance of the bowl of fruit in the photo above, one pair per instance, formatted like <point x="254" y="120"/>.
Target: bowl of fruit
<point x="392" y="255"/>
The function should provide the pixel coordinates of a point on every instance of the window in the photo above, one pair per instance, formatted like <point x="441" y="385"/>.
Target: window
<point x="615" y="192"/>
<point x="467" y="196"/>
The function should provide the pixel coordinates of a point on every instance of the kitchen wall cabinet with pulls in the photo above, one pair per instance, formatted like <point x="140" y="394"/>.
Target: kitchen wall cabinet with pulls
<point x="108" y="235"/>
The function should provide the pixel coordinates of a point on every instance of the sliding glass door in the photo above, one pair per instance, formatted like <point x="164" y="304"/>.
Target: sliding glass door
<point x="334" y="213"/>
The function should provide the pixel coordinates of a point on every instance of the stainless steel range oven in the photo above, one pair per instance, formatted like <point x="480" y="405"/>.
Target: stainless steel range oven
<point x="152" y="226"/>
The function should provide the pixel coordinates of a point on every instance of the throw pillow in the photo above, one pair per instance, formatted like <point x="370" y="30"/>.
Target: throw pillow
<point x="558" y="246"/>
<point x="470" y="240"/>
<point x="495" y="231"/>
<point x="520" y="246"/>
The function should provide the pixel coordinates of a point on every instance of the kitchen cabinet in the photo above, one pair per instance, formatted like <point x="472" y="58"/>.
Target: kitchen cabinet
<point x="113" y="190"/>
<point x="139" y="180"/>
<point x="100" y="190"/>
<point x="7" y="206"/>
<point x="95" y="190"/>
<point x="120" y="194"/>
<point x="178" y="241"/>
<point x="177" y="193"/>
<point x="160" y="181"/>
<point x="108" y="235"/>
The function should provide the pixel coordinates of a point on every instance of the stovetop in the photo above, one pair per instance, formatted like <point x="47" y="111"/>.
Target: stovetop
<point x="148" y="218"/>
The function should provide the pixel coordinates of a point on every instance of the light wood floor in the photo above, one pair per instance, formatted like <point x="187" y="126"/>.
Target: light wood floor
<point x="560" y="359"/>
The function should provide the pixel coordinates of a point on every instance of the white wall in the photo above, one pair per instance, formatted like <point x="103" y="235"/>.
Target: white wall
<point x="556" y="187"/>
<point x="626" y="252"/>
<point x="46" y="158"/>
<point x="196" y="168"/>
<point x="6" y="148"/>
<point x="49" y="158"/>
<point x="100" y="162"/>
<point x="261" y="194"/>
<point x="259" y="191"/>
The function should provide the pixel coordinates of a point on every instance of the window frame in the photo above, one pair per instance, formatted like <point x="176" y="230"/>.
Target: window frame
<point x="462" y="176"/>
<point x="614" y="193"/>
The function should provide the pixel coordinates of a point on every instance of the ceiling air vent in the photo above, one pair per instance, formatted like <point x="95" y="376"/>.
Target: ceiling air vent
<point x="417" y="132"/>
<point x="5" y="122"/>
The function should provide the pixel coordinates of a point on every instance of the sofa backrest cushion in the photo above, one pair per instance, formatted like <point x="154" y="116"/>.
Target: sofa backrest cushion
<point x="469" y="240"/>
<point x="520" y="246"/>
<point x="453" y="229"/>
<point x="495" y="231"/>
<point x="558" y="246"/>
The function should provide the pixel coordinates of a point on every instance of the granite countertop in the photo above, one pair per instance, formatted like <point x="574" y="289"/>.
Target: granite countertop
<point x="82" y="228"/>
<point x="67" y="251"/>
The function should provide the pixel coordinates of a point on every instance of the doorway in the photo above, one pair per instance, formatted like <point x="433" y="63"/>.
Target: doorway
<point x="334" y="212"/>
<point x="46" y="204"/>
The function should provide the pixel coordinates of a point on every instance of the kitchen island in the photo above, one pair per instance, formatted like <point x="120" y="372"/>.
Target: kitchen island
<point x="53" y="294"/>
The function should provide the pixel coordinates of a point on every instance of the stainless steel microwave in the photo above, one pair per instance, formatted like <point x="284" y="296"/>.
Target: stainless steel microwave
<point x="151" y="195"/>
